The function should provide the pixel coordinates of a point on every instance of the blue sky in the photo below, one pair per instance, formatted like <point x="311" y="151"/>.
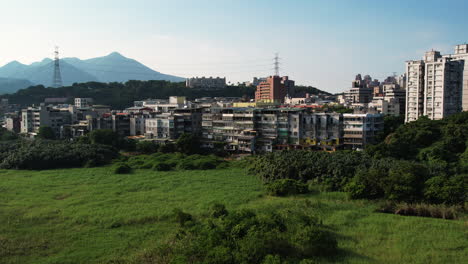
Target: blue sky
<point x="324" y="43"/>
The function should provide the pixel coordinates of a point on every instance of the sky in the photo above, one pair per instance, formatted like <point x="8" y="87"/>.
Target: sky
<point x="323" y="43"/>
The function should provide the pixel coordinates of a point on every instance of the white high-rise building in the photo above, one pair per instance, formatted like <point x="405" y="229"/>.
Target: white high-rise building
<point x="461" y="54"/>
<point x="414" y="90"/>
<point x="437" y="85"/>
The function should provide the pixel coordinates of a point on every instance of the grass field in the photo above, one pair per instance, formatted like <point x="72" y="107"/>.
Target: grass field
<point x="95" y="216"/>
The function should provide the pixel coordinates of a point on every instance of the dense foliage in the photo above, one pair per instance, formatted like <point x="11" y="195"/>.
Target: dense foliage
<point x="302" y="90"/>
<point x="331" y="169"/>
<point x="46" y="132"/>
<point x="284" y="187"/>
<point x="6" y="135"/>
<point x="39" y="155"/>
<point x="422" y="161"/>
<point x="245" y="237"/>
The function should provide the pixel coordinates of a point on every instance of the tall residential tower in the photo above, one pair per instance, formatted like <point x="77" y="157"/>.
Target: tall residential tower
<point x="437" y="85"/>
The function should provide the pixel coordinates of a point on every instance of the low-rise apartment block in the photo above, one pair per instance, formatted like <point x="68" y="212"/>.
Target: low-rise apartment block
<point x="361" y="129"/>
<point x="206" y="83"/>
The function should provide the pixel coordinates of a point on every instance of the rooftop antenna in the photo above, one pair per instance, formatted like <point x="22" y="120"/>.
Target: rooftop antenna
<point x="276" y="63"/>
<point x="57" y="80"/>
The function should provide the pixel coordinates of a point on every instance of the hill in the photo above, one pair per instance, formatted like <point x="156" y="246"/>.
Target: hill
<point x="117" y="68"/>
<point x="91" y="215"/>
<point x="9" y="85"/>
<point x="111" y="68"/>
<point x="121" y="95"/>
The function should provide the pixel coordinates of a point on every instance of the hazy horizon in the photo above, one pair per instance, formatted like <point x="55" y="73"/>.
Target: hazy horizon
<point x="321" y="43"/>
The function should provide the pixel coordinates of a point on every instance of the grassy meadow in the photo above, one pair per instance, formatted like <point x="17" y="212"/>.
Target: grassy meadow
<point x="91" y="215"/>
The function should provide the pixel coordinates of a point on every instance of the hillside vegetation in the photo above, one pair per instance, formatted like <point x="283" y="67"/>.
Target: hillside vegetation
<point x="121" y="95"/>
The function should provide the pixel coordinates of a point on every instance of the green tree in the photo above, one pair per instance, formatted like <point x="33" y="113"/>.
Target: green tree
<point x="46" y="132"/>
<point x="104" y="137"/>
<point x="188" y="144"/>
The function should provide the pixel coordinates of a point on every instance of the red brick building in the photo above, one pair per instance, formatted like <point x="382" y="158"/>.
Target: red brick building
<point x="271" y="90"/>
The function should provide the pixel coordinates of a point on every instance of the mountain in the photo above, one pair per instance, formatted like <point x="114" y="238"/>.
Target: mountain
<point x="117" y="68"/>
<point x="111" y="68"/>
<point x="8" y="85"/>
<point x="42" y="73"/>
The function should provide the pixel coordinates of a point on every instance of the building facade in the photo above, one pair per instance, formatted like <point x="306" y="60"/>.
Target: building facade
<point x="206" y="83"/>
<point x="274" y="89"/>
<point x="32" y="118"/>
<point x="83" y="102"/>
<point x="361" y="129"/>
<point x="437" y="85"/>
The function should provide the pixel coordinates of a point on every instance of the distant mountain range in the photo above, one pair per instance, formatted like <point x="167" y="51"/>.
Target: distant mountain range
<point x="111" y="68"/>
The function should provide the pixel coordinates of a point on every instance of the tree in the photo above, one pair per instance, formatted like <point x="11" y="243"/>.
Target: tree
<point x="147" y="147"/>
<point x="6" y="135"/>
<point x="46" y="132"/>
<point x="104" y="137"/>
<point x="188" y="144"/>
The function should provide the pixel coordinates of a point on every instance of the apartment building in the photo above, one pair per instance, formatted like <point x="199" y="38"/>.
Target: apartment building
<point x="233" y="127"/>
<point x="437" y="86"/>
<point x="267" y="129"/>
<point x="322" y="130"/>
<point x="361" y="129"/>
<point x="360" y="92"/>
<point x="206" y="83"/>
<point x="13" y="122"/>
<point x="274" y="89"/>
<point x="169" y="126"/>
<point x="34" y="117"/>
<point x="414" y="90"/>
<point x="83" y="102"/>
<point x="164" y="105"/>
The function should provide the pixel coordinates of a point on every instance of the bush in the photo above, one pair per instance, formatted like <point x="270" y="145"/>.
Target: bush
<point x="245" y="237"/>
<point x="218" y="210"/>
<point x="451" y="190"/>
<point x="181" y="217"/>
<point x="286" y="187"/>
<point x="162" y="166"/>
<point x="147" y="147"/>
<point x="122" y="168"/>
<point x="167" y="148"/>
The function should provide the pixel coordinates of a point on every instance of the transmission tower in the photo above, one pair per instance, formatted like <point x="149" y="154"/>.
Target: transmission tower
<point x="276" y="63"/>
<point x="57" y="80"/>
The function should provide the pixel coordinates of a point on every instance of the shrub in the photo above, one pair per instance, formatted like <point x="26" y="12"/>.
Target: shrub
<point x="167" y="148"/>
<point x="218" y="210"/>
<point x="162" y="166"/>
<point x="244" y="237"/>
<point x="147" y="147"/>
<point x="286" y="187"/>
<point x="122" y="168"/>
<point x="451" y="190"/>
<point x="181" y="217"/>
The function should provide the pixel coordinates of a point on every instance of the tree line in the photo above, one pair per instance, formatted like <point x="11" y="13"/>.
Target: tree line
<point x="122" y="95"/>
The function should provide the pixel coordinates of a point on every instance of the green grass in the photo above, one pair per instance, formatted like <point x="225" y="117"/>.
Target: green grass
<point x="95" y="216"/>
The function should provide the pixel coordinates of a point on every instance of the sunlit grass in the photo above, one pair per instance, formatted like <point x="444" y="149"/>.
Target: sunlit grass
<point x="95" y="216"/>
